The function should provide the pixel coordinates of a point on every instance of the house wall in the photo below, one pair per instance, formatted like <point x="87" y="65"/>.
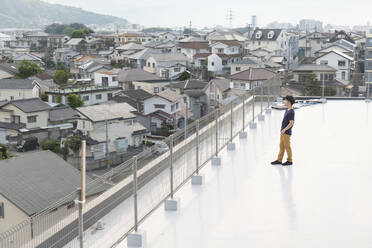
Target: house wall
<point x="150" y="65"/>
<point x="12" y="216"/>
<point x="41" y="119"/>
<point x="150" y="87"/>
<point x="18" y="94"/>
<point x="112" y="79"/>
<point x="170" y="71"/>
<point x="333" y="59"/>
<point x="214" y="63"/>
<point x="190" y="52"/>
<point x="226" y="48"/>
<point x="150" y="108"/>
<point x="235" y="68"/>
<point x="90" y="98"/>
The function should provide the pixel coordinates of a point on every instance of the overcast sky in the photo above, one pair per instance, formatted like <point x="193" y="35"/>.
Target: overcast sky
<point x="209" y="13"/>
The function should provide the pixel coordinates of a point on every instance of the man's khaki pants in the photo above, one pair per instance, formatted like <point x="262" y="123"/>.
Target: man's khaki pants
<point x="285" y="145"/>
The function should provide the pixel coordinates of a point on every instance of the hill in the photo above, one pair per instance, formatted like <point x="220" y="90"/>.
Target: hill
<point x="36" y="13"/>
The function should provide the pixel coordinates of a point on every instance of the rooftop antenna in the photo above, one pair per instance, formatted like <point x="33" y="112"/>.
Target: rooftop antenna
<point x="190" y="28"/>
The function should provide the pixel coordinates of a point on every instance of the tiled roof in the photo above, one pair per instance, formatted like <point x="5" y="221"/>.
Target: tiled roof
<point x="170" y="95"/>
<point x="253" y="74"/>
<point x="314" y="67"/>
<point x="137" y="75"/>
<point x="194" y="45"/>
<point x="25" y="84"/>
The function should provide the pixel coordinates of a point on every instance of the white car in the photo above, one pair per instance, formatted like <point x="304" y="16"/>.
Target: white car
<point x="160" y="148"/>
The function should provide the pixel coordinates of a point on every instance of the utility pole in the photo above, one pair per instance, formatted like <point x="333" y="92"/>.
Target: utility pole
<point x="82" y="192"/>
<point x="230" y="17"/>
<point x="190" y="26"/>
<point x="323" y="87"/>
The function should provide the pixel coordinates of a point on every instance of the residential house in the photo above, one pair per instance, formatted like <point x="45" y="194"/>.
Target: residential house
<point x="77" y="45"/>
<point x="28" y="57"/>
<point x="168" y="36"/>
<point x="32" y="113"/>
<point x="163" y="47"/>
<point x="218" y="35"/>
<point x="324" y="74"/>
<point x="122" y="52"/>
<point x="86" y="71"/>
<point x="125" y="38"/>
<point x="343" y="63"/>
<point x="123" y="131"/>
<point x="166" y="65"/>
<point x="310" y="43"/>
<point x="346" y="44"/>
<point x="273" y="40"/>
<point x="138" y="59"/>
<point x="341" y="35"/>
<point x="15" y="89"/>
<point x="33" y="182"/>
<point x="164" y="108"/>
<point x="244" y="64"/>
<point x="91" y="95"/>
<point x="190" y="49"/>
<point x="251" y="78"/>
<point x="64" y="56"/>
<point x="221" y="63"/>
<point x="228" y="47"/>
<point x="107" y="78"/>
<point x="62" y="115"/>
<point x="334" y="47"/>
<point x="141" y="79"/>
<point x="216" y="90"/>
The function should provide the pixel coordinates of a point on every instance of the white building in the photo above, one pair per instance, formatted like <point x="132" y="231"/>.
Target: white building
<point x="273" y="40"/>
<point x="341" y="62"/>
<point x="123" y="130"/>
<point x="16" y="89"/>
<point x="226" y="46"/>
<point x="106" y="78"/>
<point x="166" y="65"/>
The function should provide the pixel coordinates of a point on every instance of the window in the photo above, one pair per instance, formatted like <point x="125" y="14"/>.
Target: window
<point x="177" y="69"/>
<point x="324" y="62"/>
<point x="341" y="63"/>
<point x="20" y="94"/>
<point x="236" y="85"/>
<point x="343" y="75"/>
<point x="105" y="81"/>
<point x="153" y="65"/>
<point x="31" y="119"/>
<point x="212" y="63"/>
<point x="148" y="64"/>
<point x="98" y="96"/>
<point x="330" y="77"/>
<point x="12" y="98"/>
<point x="128" y="123"/>
<point x="219" y="50"/>
<point x="173" y="107"/>
<point x="85" y="98"/>
<point x="109" y="96"/>
<point x="177" y="105"/>
<point x="161" y="106"/>
<point x="1" y="210"/>
<point x="114" y="78"/>
<point x="237" y="68"/>
<point x="83" y="124"/>
<point x="242" y="85"/>
<point x="156" y="89"/>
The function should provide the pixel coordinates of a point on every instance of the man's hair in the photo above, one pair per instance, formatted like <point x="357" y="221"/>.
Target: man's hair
<point x="290" y="99"/>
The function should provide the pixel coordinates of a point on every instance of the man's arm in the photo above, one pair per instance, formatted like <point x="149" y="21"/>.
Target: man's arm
<point x="291" y="122"/>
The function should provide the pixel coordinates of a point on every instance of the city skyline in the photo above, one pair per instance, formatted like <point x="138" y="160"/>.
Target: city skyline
<point x="151" y="14"/>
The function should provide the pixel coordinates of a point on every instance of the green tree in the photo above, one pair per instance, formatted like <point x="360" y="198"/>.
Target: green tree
<point x="44" y="97"/>
<point x="184" y="76"/>
<point x="61" y="77"/>
<point x="51" y="145"/>
<point x="312" y="86"/>
<point x="28" y="69"/>
<point x="109" y="43"/>
<point x="4" y="152"/>
<point x="74" y="143"/>
<point x="68" y="30"/>
<point x="78" y="34"/>
<point x="74" y="101"/>
<point x="330" y="91"/>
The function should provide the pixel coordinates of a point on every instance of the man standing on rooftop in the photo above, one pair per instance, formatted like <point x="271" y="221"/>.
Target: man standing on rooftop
<point x="286" y="132"/>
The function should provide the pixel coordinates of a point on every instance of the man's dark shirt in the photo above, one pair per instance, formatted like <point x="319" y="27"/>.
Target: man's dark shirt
<point x="288" y="116"/>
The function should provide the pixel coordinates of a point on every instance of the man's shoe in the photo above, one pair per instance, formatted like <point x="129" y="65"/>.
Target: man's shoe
<point x="276" y="162"/>
<point x="287" y="163"/>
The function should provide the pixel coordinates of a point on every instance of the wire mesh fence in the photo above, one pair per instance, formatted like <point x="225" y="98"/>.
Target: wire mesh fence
<point x="158" y="176"/>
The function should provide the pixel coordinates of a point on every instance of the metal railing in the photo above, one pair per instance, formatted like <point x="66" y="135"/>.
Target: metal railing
<point x="143" y="182"/>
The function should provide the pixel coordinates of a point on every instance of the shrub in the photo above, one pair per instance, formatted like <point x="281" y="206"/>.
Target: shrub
<point x="51" y="145"/>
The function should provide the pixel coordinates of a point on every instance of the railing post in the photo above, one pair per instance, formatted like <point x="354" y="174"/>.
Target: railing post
<point x="135" y="193"/>
<point x="136" y="239"/>
<point x="172" y="203"/>
<point x="82" y="193"/>
<point x="197" y="146"/>
<point x="261" y="117"/>
<point x="243" y="134"/>
<point x="171" y="166"/>
<point x="253" y="125"/>
<point x="217" y="160"/>
<point x="231" y="145"/>
<point x="197" y="179"/>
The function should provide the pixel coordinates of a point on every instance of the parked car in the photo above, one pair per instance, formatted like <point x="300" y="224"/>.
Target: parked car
<point x="160" y="148"/>
<point x="28" y="144"/>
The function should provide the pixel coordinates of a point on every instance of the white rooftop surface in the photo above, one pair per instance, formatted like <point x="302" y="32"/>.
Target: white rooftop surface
<point x="323" y="200"/>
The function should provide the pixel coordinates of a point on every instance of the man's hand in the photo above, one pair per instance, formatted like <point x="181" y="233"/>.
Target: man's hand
<point x="282" y="132"/>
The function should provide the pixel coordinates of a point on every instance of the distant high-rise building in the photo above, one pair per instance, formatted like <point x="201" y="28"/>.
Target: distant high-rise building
<point x="254" y="22"/>
<point x="311" y="25"/>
